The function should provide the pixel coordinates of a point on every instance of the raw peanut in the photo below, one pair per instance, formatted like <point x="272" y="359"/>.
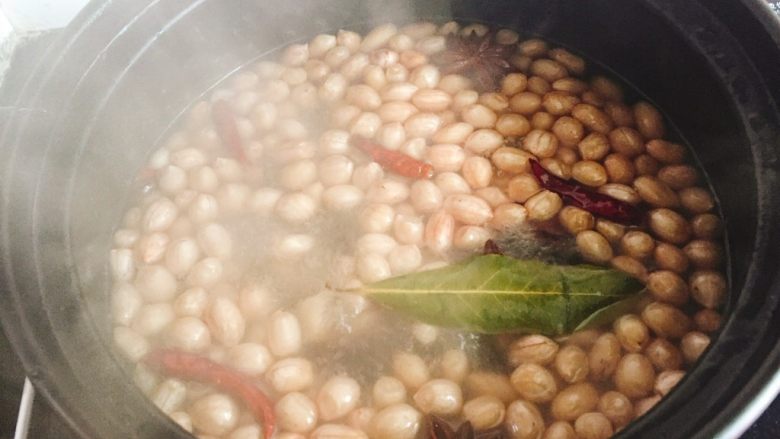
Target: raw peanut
<point x="708" y="288"/>
<point x="678" y="176"/>
<point x="567" y="156"/>
<point x="508" y="216"/>
<point x="667" y="286"/>
<point x="616" y="407"/>
<point x="573" y="219"/>
<point x="696" y="200"/>
<point x="534" y="383"/>
<point x="604" y="356"/>
<point x="666" y="320"/>
<point x="396" y="111"/>
<point x="589" y="173"/>
<point x="667" y="380"/>
<point x="666" y="152"/>
<point x="574" y="401"/>
<point x="513" y="83"/>
<point x="593" y="425"/>
<point x="593" y="118"/>
<point x="621" y="114"/>
<point x="669" y="257"/>
<point x="536" y="349"/>
<point x="445" y="157"/>
<point x="543" y="206"/>
<point x="479" y="116"/>
<point x="568" y="130"/>
<point x="541" y="143"/>
<point x="631" y="332"/>
<point x="560" y="430"/>
<point x="693" y="344"/>
<point x="453" y="133"/>
<point x="422" y="124"/>
<point x="557" y="167"/>
<point x="634" y="376"/>
<point x="607" y="88"/>
<point x="468" y="209"/>
<point x="706" y="226"/>
<point x="619" y="169"/>
<point x="570" y="85"/>
<point x="646" y="165"/>
<point x="441" y="397"/>
<point x="594" y="146"/>
<point x="548" y="69"/>
<point x="630" y="266"/>
<point x="620" y="192"/>
<point x="669" y="226"/>
<point x="572" y="62"/>
<point x="649" y="121"/>
<point x="484" y="412"/>
<point x="655" y="192"/>
<point x="525" y="103"/>
<point x="484" y="141"/>
<point x="495" y="101"/>
<point x="533" y="48"/>
<point x="707" y="320"/>
<point x="626" y="141"/>
<point x="432" y="100"/>
<point x="593" y="246"/>
<point x="664" y="355"/>
<point x="524" y="420"/>
<point x="571" y="364"/>
<point x="542" y="120"/>
<point x="511" y="160"/>
<point x="637" y="244"/>
<point x="477" y="171"/>
<point x="511" y="124"/>
<point x="559" y="103"/>
<point x="612" y="231"/>
<point x="490" y="384"/>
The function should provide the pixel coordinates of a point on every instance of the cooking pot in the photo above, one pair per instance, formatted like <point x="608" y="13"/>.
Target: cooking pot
<point x="106" y="91"/>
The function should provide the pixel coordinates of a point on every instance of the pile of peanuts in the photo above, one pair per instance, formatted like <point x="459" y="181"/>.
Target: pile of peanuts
<point x="180" y="282"/>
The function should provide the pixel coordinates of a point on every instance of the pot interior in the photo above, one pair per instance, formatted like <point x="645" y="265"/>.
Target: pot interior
<point x="111" y="97"/>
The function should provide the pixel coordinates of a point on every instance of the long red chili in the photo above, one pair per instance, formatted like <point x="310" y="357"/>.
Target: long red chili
<point x="225" y="123"/>
<point x="197" y="368"/>
<point x="396" y="162"/>
<point x="587" y="199"/>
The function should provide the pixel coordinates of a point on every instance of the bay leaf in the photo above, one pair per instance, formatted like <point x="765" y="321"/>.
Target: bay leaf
<point x="496" y="293"/>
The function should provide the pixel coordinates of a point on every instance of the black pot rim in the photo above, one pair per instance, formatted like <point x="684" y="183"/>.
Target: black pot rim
<point x="747" y="405"/>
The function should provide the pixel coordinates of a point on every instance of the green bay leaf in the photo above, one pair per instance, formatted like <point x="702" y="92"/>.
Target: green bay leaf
<point x="496" y="293"/>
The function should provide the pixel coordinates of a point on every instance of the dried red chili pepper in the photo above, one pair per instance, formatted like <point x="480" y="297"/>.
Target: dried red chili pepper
<point x="396" y="162"/>
<point x="193" y="367"/>
<point x="225" y="123"/>
<point x="579" y="196"/>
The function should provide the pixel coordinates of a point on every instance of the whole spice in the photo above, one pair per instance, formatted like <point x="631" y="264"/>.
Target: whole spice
<point x="225" y="123"/>
<point x="438" y="428"/>
<point x="480" y="58"/>
<point x="578" y="195"/>
<point x="196" y="368"/>
<point x="394" y="161"/>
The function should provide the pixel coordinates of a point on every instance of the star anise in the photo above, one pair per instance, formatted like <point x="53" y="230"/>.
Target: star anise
<point x="482" y="59"/>
<point x="438" y="428"/>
